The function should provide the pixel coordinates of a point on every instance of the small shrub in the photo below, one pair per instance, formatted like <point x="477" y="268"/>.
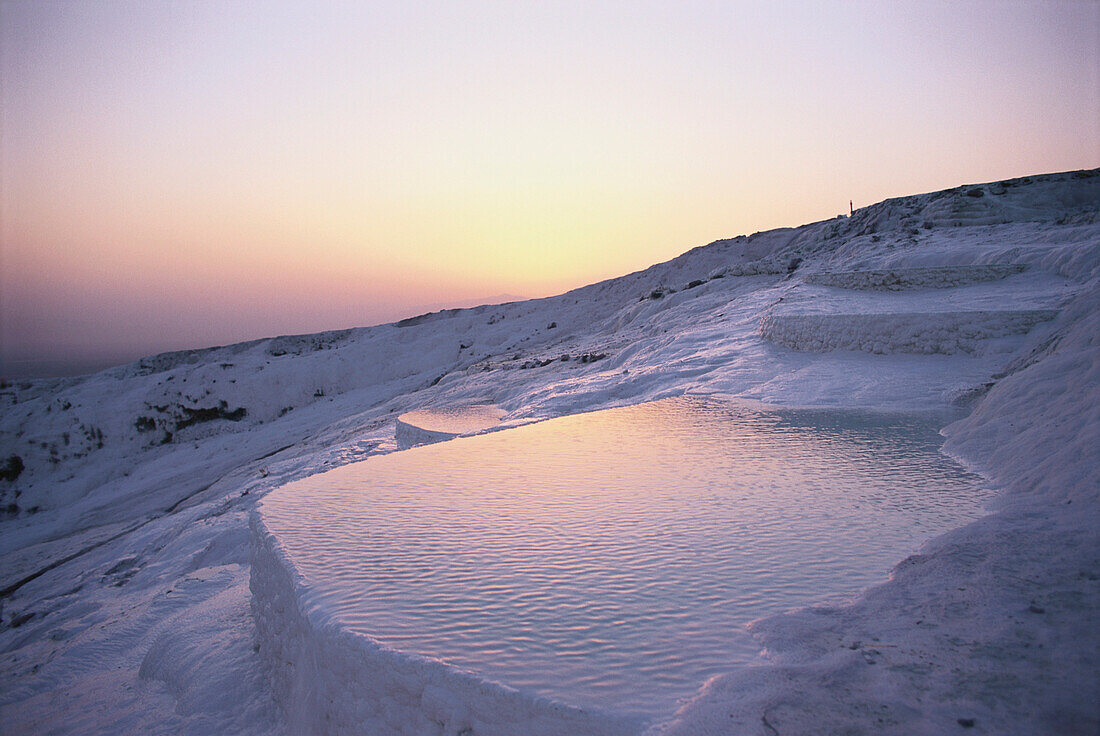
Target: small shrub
<point x="12" y="468"/>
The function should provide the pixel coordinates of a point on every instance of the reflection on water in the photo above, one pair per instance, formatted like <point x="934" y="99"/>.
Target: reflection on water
<point x="455" y="419"/>
<point x="611" y="559"/>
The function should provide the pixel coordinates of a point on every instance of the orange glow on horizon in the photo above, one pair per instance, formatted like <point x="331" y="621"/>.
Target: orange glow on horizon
<point x="349" y="162"/>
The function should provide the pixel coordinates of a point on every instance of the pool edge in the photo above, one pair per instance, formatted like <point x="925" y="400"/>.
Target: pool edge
<point x="328" y="680"/>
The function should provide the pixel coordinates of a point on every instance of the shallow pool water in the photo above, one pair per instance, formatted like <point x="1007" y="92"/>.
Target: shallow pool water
<point x="455" y="419"/>
<point x="611" y="559"/>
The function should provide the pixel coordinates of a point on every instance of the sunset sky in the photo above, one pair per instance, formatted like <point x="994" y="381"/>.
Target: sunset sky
<point x="183" y="174"/>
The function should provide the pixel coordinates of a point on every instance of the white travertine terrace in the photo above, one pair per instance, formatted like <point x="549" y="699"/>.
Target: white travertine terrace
<point x="329" y="680"/>
<point x="126" y="566"/>
<point x="424" y="426"/>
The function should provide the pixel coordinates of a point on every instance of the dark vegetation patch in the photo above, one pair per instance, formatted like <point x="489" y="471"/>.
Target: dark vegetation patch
<point x="659" y="293"/>
<point x="177" y="417"/>
<point x="209" y="414"/>
<point x="580" y="358"/>
<point x="93" y="435"/>
<point x="12" y="468"/>
<point x="298" y="344"/>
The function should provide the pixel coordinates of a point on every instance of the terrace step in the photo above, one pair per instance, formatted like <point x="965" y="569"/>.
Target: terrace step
<point x="900" y="279"/>
<point x="946" y="333"/>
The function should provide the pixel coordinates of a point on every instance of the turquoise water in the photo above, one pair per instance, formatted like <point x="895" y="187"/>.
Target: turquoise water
<point x="612" y="559"/>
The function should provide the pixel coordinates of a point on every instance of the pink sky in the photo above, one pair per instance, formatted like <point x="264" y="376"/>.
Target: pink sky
<point x="180" y="174"/>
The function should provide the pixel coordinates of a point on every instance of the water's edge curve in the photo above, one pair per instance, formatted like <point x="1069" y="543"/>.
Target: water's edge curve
<point x="328" y="680"/>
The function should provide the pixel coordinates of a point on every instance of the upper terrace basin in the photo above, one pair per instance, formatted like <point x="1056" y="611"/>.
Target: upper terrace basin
<point x="610" y="560"/>
<point x="423" y="426"/>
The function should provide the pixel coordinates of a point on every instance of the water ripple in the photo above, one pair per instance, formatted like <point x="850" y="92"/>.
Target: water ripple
<point x="611" y="559"/>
